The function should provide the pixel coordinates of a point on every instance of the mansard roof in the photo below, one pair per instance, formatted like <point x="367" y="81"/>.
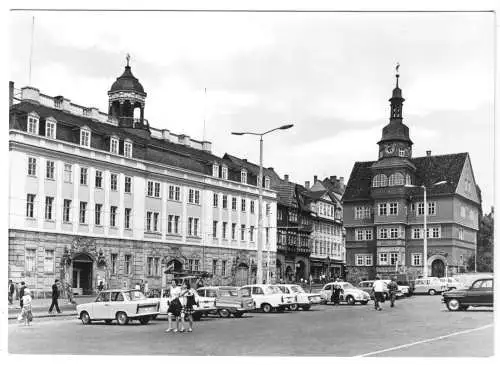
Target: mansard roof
<point x="429" y="170"/>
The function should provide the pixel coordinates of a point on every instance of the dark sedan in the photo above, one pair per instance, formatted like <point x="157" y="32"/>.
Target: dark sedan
<point x="479" y="294"/>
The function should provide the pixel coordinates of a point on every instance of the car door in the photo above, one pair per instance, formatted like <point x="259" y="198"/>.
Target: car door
<point x="257" y="295"/>
<point x="117" y="304"/>
<point x="101" y="306"/>
<point x="475" y="294"/>
<point x="327" y="292"/>
<point x="488" y="292"/>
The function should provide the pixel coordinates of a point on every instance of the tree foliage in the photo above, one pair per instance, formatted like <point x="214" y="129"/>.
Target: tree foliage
<point x="485" y="244"/>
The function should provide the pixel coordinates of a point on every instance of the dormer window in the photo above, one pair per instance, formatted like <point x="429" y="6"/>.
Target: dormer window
<point x="244" y="176"/>
<point x="215" y="170"/>
<point x="85" y="137"/>
<point x="224" y="172"/>
<point x="113" y="145"/>
<point x="32" y="126"/>
<point x="127" y="148"/>
<point x="379" y="181"/>
<point x="50" y="128"/>
<point x="267" y="182"/>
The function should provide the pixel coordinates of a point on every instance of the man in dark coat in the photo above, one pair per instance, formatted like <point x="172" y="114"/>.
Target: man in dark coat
<point x="21" y="293"/>
<point x="393" y="289"/>
<point x="55" y="297"/>
<point x="12" y="290"/>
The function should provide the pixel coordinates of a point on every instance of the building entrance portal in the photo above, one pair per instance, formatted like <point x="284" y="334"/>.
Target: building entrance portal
<point x="438" y="268"/>
<point x="82" y="274"/>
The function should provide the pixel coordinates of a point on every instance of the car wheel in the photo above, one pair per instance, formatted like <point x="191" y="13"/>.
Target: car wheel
<point x="266" y="308"/>
<point x="121" y="318"/>
<point x="306" y="307"/>
<point x="224" y="313"/>
<point x="108" y="321"/>
<point x="238" y="314"/>
<point x="350" y="300"/>
<point x="84" y="316"/>
<point x="432" y="292"/>
<point x="364" y="302"/>
<point x="145" y="320"/>
<point x="294" y="307"/>
<point x="453" y="305"/>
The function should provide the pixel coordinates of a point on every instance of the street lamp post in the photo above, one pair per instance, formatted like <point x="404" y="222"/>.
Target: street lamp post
<point x="426" y="268"/>
<point x="260" y="224"/>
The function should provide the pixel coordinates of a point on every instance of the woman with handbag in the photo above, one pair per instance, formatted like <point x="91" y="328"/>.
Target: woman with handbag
<point x="190" y="297"/>
<point x="174" y="308"/>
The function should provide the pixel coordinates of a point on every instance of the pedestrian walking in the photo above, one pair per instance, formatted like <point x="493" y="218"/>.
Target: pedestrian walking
<point x="189" y="297"/>
<point x="100" y="287"/>
<point x="26" y="314"/>
<point x="21" y="293"/>
<point x="174" y="308"/>
<point x="11" y="291"/>
<point x="69" y="293"/>
<point x="336" y="291"/>
<point x="393" y="289"/>
<point x="55" y="297"/>
<point x="378" y="289"/>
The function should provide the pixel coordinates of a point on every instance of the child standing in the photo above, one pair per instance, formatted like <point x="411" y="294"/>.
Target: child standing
<point x="26" y="313"/>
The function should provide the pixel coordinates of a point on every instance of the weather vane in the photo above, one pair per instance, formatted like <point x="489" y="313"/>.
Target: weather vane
<point x="128" y="58"/>
<point x="397" y="69"/>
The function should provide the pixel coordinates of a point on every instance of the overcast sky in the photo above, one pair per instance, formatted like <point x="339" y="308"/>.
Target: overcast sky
<point x="331" y="74"/>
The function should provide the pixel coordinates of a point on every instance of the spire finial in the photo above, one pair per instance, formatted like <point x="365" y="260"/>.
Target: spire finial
<point x="127" y="57"/>
<point x="397" y="74"/>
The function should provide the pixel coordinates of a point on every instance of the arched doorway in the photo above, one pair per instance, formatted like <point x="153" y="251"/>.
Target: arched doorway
<point x="241" y="277"/>
<point x="82" y="274"/>
<point x="177" y="266"/>
<point x="438" y="268"/>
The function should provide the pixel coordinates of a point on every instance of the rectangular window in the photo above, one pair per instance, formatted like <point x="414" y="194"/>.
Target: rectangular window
<point x="48" y="263"/>
<point x="436" y="232"/>
<point x="114" y="182"/>
<point x="197" y="197"/>
<point x="128" y="184"/>
<point x="83" y="175"/>
<point x="114" y="266"/>
<point x="30" y="260"/>
<point x="224" y="230"/>
<point x="233" y="203"/>
<point x="359" y="235"/>
<point x="128" y="212"/>
<point x="415" y="233"/>
<point x="114" y="146"/>
<point x="368" y="260"/>
<point x="156" y="216"/>
<point x="196" y="266"/>
<point x="32" y="166"/>
<point x="382" y="209"/>
<point x="243" y="204"/>
<point x="150" y="266"/>
<point x="191" y="196"/>
<point x="98" y="212"/>
<point x="394" y="232"/>
<point x="243" y="229"/>
<point x="251" y="233"/>
<point x="149" y="217"/>
<point x="68" y="173"/>
<point x="30" y="205"/>
<point x="49" y="173"/>
<point x="127" y="149"/>
<point x="382" y="258"/>
<point x="85" y="138"/>
<point x="214" y="267"/>
<point x="416" y="259"/>
<point x="216" y="200"/>
<point x="267" y="235"/>
<point x="190" y="226"/>
<point x="156" y="268"/>
<point x="224" y="172"/>
<point x="360" y="260"/>
<point x="368" y="234"/>
<point x="157" y="189"/>
<point x="196" y="224"/>
<point x="214" y="229"/>
<point x="420" y="208"/>
<point x="393" y="258"/>
<point x="98" y="179"/>
<point x="252" y="207"/>
<point x="128" y="263"/>
<point x="173" y="224"/>
<point x="83" y="212"/>
<point x="460" y="233"/>
<point x="268" y="209"/>
<point x="174" y="193"/>
<point x="150" y="188"/>
<point x="393" y="208"/>
<point x="112" y="216"/>
<point x="176" y="224"/>
<point x="383" y="233"/>
<point x="67" y="211"/>
<point x="267" y="182"/>
<point x="244" y="177"/>
<point x="215" y="170"/>
<point x="224" y="201"/>
<point x="233" y="231"/>
<point x="223" y="271"/>
<point x="32" y="125"/>
<point x="431" y="208"/>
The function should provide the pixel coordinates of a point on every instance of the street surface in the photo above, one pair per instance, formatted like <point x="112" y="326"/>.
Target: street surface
<point x="417" y="326"/>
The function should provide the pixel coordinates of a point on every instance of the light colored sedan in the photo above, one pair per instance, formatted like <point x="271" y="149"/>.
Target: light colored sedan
<point x="121" y="305"/>
<point x="349" y="294"/>
<point x="302" y="299"/>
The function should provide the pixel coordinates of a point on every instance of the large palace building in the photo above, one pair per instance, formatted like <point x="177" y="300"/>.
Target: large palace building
<point x="384" y="208"/>
<point x="106" y="197"/>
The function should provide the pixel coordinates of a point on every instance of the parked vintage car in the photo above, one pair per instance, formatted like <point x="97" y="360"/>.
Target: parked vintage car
<point x="120" y="304"/>
<point x="203" y="306"/>
<point x="452" y="283"/>
<point x="303" y="300"/>
<point x="430" y="285"/>
<point x="267" y="297"/>
<point x="350" y="294"/>
<point x="228" y="300"/>
<point x="403" y="290"/>
<point x="367" y="287"/>
<point x="479" y="294"/>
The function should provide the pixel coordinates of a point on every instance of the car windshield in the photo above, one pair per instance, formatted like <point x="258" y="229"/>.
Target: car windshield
<point x="296" y="289"/>
<point x="245" y="292"/>
<point x="274" y="290"/>
<point x="134" y="295"/>
<point x="348" y="286"/>
<point x="211" y="293"/>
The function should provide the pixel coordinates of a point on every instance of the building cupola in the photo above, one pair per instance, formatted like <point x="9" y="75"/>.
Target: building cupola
<point x="127" y="100"/>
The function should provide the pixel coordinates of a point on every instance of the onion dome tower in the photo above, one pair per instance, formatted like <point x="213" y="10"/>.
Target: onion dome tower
<point x="127" y="100"/>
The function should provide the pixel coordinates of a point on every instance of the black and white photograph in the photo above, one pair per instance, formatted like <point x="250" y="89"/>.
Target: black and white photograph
<point x="234" y="181"/>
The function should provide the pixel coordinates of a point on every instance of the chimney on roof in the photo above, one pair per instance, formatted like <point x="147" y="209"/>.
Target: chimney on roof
<point x="428" y="153"/>
<point x="333" y="178"/>
<point x="286" y="177"/>
<point x="185" y="140"/>
<point x="315" y="178"/>
<point x="307" y="184"/>
<point x="11" y="93"/>
<point x="270" y="168"/>
<point x="341" y="180"/>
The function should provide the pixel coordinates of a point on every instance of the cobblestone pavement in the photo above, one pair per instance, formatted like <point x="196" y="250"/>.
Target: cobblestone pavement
<point x="417" y="326"/>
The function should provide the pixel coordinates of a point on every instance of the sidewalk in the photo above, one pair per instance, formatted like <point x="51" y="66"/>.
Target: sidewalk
<point x="40" y="307"/>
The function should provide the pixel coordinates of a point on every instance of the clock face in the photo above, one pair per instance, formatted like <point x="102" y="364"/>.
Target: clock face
<point x="389" y="148"/>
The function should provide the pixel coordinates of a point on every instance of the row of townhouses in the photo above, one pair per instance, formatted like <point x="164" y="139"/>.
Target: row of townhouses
<point x="106" y="197"/>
